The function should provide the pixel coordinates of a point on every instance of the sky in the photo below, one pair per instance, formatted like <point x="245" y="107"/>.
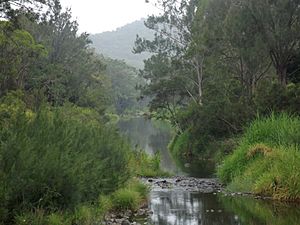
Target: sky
<point x="96" y="16"/>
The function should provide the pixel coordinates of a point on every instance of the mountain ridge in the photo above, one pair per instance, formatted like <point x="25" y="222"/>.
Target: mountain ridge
<point x="118" y="44"/>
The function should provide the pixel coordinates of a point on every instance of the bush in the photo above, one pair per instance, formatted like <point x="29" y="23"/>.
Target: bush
<point x="137" y="186"/>
<point x="274" y="97"/>
<point x="55" y="161"/>
<point x="86" y="215"/>
<point x="130" y="197"/>
<point x="267" y="160"/>
<point x="126" y="199"/>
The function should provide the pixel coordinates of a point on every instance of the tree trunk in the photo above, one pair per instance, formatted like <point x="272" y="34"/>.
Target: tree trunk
<point x="282" y="75"/>
<point x="199" y="69"/>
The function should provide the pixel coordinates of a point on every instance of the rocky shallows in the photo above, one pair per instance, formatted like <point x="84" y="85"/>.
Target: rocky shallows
<point x="188" y="184"/>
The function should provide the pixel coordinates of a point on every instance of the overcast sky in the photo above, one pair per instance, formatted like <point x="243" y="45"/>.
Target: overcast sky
<point x="96" y="16"/>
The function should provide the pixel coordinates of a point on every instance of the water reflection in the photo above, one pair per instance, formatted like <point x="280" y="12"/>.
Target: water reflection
<point x="152" y="136"/>
<point x="198" y="168"/>
<point x="179" y="207"/>
<point x="262" y="212"/>
<point x="175" y="207"/>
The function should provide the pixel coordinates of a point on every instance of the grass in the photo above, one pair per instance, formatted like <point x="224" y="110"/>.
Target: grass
<point x="131" y="196"/>
<point x="145" y="165"/>
<point x="267" y="159"/>
<point x="126" y="199"/>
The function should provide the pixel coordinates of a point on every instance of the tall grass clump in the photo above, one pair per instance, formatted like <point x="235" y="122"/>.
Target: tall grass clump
<point x="267" y="160"/>
<point x="145" y="165"/>
<point x="56" y="159"/>
<point x="131" y="196"/>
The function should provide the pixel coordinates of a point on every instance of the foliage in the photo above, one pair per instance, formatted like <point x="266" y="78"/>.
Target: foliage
<point x="54" y="161"/>
<point x="171" y="77"/>
<point x="124" y="80"/>
<point x="275" y="98"/>
<point x="17" y="46"/>
<point x="267" y="159"/>
<point x="52" y="61"/>
<point x="131" y="196"/>
<point x="126" y="199"/>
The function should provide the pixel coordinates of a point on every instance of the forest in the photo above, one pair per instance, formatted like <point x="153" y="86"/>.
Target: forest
<point x="224" y="73"/>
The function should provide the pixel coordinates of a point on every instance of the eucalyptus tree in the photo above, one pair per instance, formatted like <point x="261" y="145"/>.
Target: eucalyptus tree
<point x="278" y="23"/>
<point x="225" y="29"/>
<point x="174" y="78"/>
<point x="9" y="8"/>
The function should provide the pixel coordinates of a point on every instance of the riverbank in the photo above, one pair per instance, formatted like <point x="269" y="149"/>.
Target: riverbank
<point x="267" y="160"/>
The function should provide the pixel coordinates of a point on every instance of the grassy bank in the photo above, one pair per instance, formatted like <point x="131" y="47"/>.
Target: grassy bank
<point x="267" y="159"/>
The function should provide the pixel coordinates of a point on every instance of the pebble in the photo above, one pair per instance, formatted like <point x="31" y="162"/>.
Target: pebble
<point x="187" y="183"/>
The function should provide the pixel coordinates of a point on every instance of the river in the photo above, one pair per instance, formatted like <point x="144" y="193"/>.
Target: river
<point x="180" y="206"/>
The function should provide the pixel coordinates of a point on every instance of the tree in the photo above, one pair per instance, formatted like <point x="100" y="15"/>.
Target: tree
<point x="278" y="22"/>
<point x="224" y="30"/>
<point x="71" y="72"/>
<point x="173" y="78"/>
<point x="124" y="80"/>
<point x="17" y="46"/>
<point x="9" y="8"/>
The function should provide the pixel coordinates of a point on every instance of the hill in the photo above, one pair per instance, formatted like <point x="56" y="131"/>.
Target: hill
<point x="118" y="44"/>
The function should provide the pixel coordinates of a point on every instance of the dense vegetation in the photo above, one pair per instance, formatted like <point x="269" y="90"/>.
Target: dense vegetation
<point x="57" y="158"/>
<point x="219" y="65"/>
<point x="124" y="80"/>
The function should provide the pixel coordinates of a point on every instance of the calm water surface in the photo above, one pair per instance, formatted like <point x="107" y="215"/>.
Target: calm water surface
<point x="179" y="207"/>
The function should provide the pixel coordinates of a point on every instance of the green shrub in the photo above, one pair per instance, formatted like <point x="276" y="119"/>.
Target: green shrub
<point x="104" y="204"/>
<point x="126" y="199"/>
<point x="86" y="215"/>
<point x="274" y="97"/>
<point x="180" y="145"/>
<point x="139" y="187"/>
<point x="56" y="159"/>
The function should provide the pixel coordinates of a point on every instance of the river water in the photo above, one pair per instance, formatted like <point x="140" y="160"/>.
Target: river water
<point x="182" y="207"/>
